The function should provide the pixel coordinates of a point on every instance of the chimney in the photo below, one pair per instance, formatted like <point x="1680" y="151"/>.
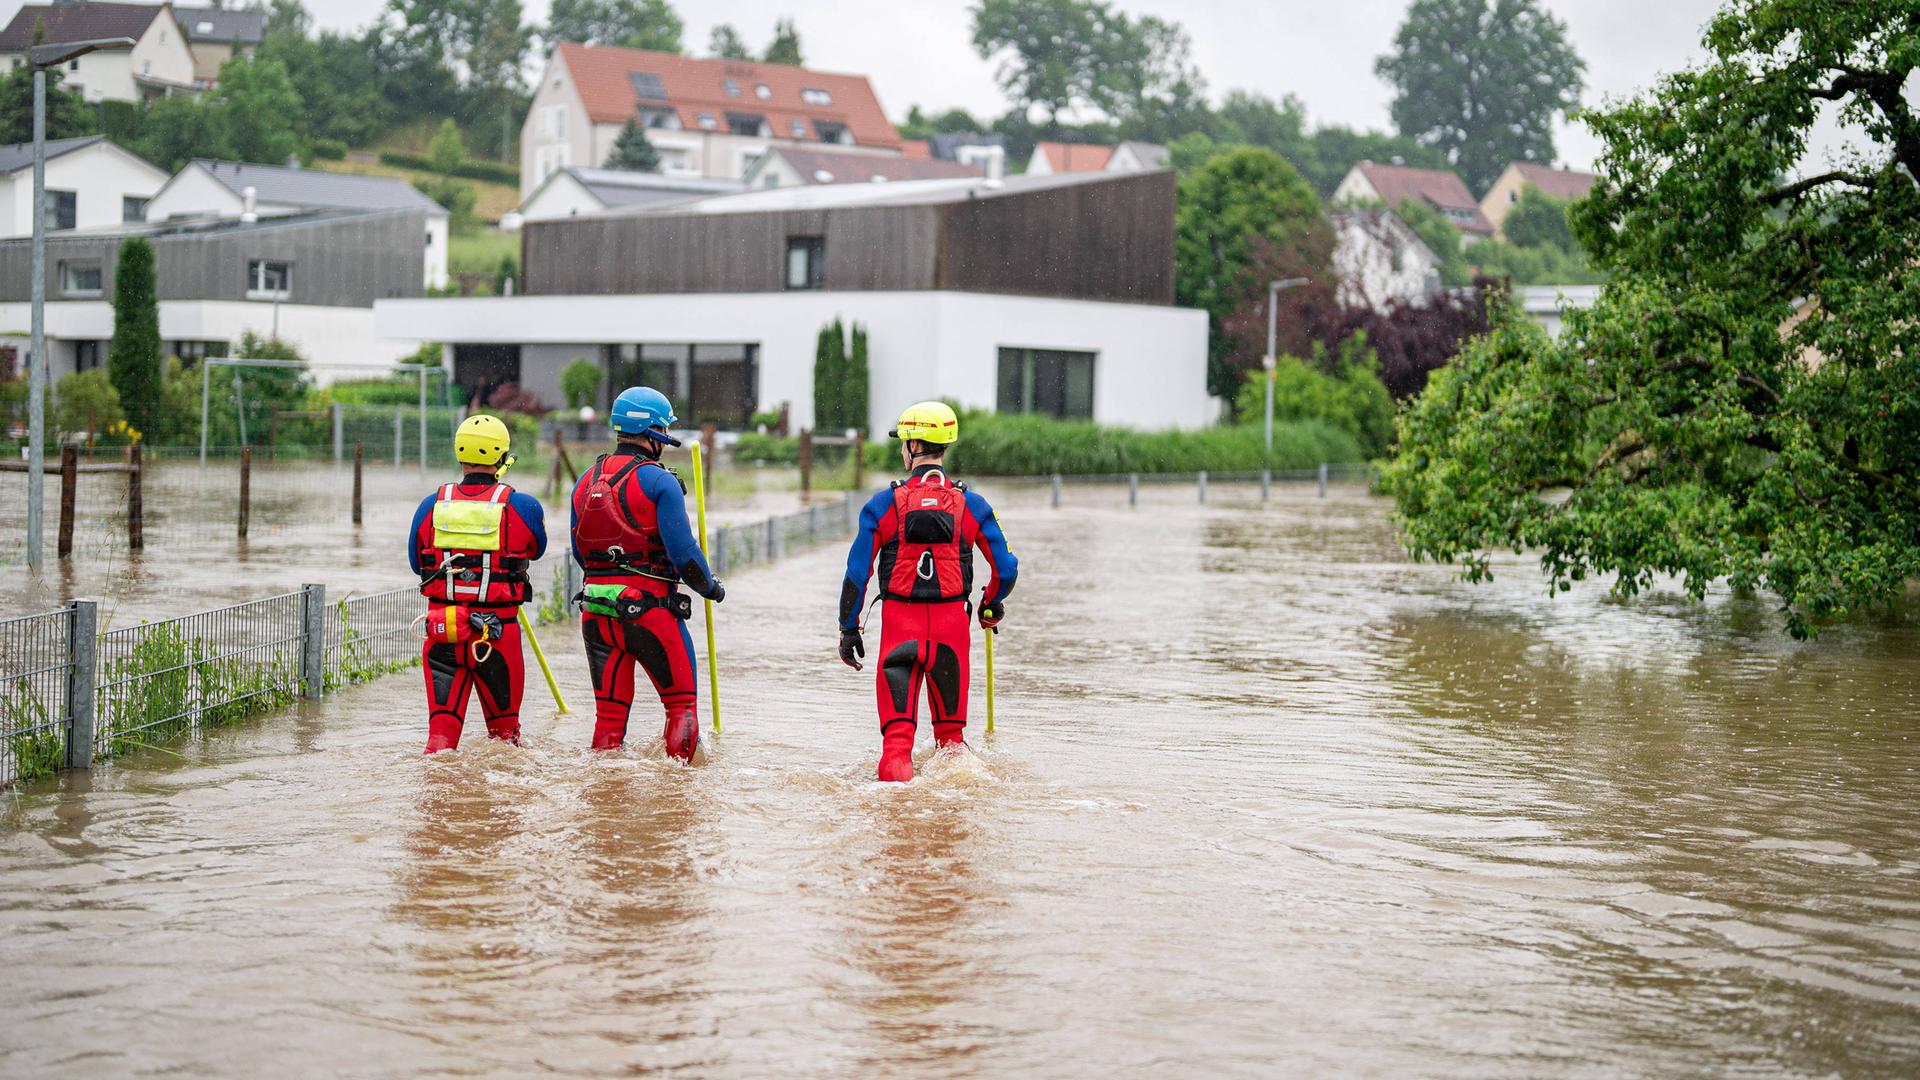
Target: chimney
<point x="293" y="161"/>
<point x="247" y="213"/>
<point x="996" y="166"/>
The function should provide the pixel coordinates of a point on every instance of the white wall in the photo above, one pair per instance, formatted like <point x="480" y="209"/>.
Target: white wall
<point x="1379" y="259"/>
<point x="103" y="76"/>
<point x="1354" y="189"/>
<point x="163" y="52"/>
<point x="556" y="87"/>
<point x="324" y="335"/>
<point x="1150" y="371"/>
<point x="192" y="191"/>
<point x="438" y="230"/>
<point x="560" y="197"/>
<point x="99" y="177"/>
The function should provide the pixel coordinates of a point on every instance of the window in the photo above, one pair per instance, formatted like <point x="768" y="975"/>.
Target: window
<point x="203" y="28"/>
<point x="816" y="97"/>
<point x="74" y="64"/>
<point x="192" y="352"/>
<point x="548" y="160"/>
<point x="269" y="279"/>
<point x="798" y="128"/>
<point x="705" y="120"/>
<point x="732" y="88"/>
<point x="61" y="209"/>
<point x="832" y="132"/>
<point x="747" y="163"/>
<point x="554" y="122"/>
<point x="660" y="118"/>
<point x="1052" y="382"/>
<point x="747" y="124"/>
<point x="647" y="85"/>
<point x="133" y="208"/>
<point x="716" y="384"/>
<point x="806" y="262"/>
<point x="80" y="278"/>
<point x="86" y="355"/>
<point x="675" y="160"/>
<point x="762" y="91"/>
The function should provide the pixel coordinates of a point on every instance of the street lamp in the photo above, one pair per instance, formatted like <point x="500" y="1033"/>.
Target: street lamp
<point x="1268" y="361"/>
<point x="43" y="57"/>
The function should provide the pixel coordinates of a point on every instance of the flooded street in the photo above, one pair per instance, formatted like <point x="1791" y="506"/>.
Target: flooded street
<point x="1265" y="799"/>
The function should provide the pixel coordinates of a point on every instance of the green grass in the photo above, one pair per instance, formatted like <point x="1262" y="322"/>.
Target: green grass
<point x="479" y="250"/>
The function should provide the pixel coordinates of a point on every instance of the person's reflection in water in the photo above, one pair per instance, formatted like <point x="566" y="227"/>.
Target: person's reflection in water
<point x="909" y="924"/>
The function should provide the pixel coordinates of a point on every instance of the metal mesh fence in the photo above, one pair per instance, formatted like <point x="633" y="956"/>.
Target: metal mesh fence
<point x="34" y="658"/>
<point x="372" y="635"/>
<point x="737" y="546"/>
<point x="163" y="680"/>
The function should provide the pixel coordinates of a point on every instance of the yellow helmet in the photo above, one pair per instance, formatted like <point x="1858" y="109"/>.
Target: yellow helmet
<point x="481" y="440"/>
<point x="928" y="421"/>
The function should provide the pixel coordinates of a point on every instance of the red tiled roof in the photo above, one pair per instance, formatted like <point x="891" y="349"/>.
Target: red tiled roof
<point x="78" y="22"/>
<point x="1436" y="187"/>
<point x="1075" y="157"/>
<point x="848" y="168"/>
<point x="1563" y="184"/>
<point x="916" y="148"/>
<point x="601" y="73"/>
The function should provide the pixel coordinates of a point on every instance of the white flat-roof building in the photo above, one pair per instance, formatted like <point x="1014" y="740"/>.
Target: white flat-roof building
<point x="1046" y="295"/>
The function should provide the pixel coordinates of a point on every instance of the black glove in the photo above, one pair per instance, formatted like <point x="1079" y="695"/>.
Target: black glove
<point x="991" y="614"/>
<point x="717" y="593"/>
<point x="850" y="647"/>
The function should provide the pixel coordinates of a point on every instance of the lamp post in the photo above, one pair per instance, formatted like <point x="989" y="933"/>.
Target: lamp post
<point x="43" y="57"/>
<point x="1273" y="325"/>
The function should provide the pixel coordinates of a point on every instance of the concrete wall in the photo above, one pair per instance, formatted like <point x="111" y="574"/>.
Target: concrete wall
<point x="1150" y="369"/>
<point x="99" y="177"/>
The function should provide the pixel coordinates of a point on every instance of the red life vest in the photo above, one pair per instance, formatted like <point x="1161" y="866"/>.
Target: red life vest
<point x="468" y="549"/>
<point x="617" y="540"/>
<point x="928" y="558"/>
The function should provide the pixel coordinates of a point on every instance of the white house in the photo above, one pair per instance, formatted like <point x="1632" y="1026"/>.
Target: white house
<point x="1369" y="184"/>
<point x="1380" y="259"/>
<point x="1050" y="158"/>
<point x="1133" y="156"/>
<point x="794" y="166"/>
<point x="91" y="183"/>
<point x="706" y="117"/>
<point x="216" y="35"/>
<point x="160" y="62"/>
<point x="942" y="273"/>
<point x="574" y="190"/>
<point x="207" y="188"/>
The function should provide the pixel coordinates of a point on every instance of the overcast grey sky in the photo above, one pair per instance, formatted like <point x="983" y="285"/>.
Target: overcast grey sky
<point x="917" y="51"/>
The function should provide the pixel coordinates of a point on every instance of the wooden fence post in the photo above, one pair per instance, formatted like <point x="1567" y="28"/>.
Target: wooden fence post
<point x="359" y="462"/>
<point x="136" y="527"/>
<point x="69" y="473"/>
<point x="246" y="487"/>
<point x="806" y="464"/>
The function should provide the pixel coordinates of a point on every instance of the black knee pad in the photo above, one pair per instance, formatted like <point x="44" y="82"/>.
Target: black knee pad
<point x="599" y="649"/>
<point x="651" y="653"/>
<point x="898" y="668"/>
<point x="496" y="678"/>
<point x="945" y="677"/>
<point x="443" y="664"/>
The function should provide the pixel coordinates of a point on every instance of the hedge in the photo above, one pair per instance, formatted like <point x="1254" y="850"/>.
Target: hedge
<point x="472" y="170"/>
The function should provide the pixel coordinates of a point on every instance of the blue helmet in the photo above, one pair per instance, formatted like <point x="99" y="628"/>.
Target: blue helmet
<point x="642" y="410"/>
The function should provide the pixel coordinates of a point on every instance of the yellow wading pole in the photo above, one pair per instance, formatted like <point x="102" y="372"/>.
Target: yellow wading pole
<point x="990" y="636"/>
<point x="526" y="627"/>
<point x="700" y="504"/>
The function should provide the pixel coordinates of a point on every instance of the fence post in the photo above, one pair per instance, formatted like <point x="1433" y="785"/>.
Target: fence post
<point x="773" y="538"/>
<point x="570" y="578"/>
<point x="136" y="523"/>
<point x="339" y="431"/>
<point x="806" y="464"/>
<point x="1323" y="479"/>
<point x="246" y="487"/>
<point x="813" y="524"/>
<point x="359" y="462"/>
<point x="83" y="633"/>
<point x="1133" y="489"/>
<point x="399" y="430"/>
<point x="1203" y="485"/>
<point x="69" y="474"/>
<point x="720" y="551"/>
<point x="1056" y="491"/>
<point x="1266" y="483"/>
<point x="859" y="459"/>
<point x="313" y="640"/>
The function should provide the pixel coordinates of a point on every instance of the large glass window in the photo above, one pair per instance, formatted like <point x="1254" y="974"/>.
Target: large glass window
<point x="133" y="208"/>
<point x="62" y="209"/>
<point x="709" y="384"/>
<point x="1054" y="382"/>
<point x="806" y="262"/>
<point x="269" y="279"/>
<point x="192" y="352"/>
<point x="80" y="278"/>
<point x="87" y="355"/>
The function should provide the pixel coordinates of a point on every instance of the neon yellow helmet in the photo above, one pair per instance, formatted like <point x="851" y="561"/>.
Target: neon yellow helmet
<point x="928" y="421"/>
<point x="481" y="440"/>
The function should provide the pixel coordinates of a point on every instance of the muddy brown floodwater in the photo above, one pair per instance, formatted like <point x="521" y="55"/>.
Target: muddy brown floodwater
<point x="1265" y="800"/>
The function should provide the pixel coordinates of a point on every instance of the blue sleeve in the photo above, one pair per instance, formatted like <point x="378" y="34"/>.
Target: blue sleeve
<point x="670" y="510"/>
<point x="853" y="591"/>
<point x="534" y="516"/>
<point x="993" y="541"/>
<point x="573" y="522"/>
<point x="413" y="533"/>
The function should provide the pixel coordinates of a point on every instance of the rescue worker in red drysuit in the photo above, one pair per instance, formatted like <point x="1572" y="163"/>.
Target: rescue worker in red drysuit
<point x="923" y="531"/>
<point x="471" y="544"/>
<point x="632" y="539"/>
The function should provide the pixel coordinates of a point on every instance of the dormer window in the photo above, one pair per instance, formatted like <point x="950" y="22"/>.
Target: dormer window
<point x="647" y="85"/>
<point x="831" y="132"/>
<point x="747" y="124"/>
<point x="816" y="97"/>
<point x="762" y="91"/>
<point x="798" y="128"/>
<point x="203" y="28"/>
<point x="732" y="88"/>
<point x="706" y="120"/>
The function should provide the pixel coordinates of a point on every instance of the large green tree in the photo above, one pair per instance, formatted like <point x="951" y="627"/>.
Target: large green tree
<point x="1246" y="217"/>
<point x="133" y="355"/>
<point x="68" y="115"/>
<point x="1058" y="56"/>
<point x="636" y="24"/>
<point x="785" y="46"/>
<point x="255" y="112"/>
<point x="632" y="151"/>
<point x="1741" y="404"/>
<point x="1480" y="81"/>
<point x="726" y="43"/>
